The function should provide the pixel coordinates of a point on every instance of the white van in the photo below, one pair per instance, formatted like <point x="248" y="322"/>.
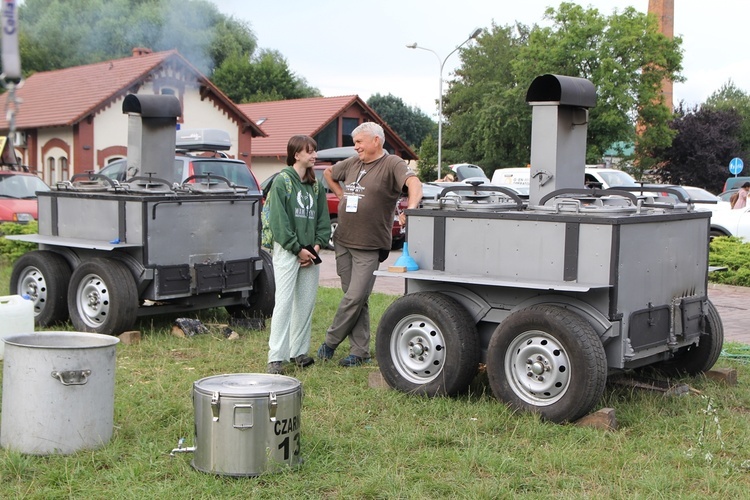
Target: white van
<point x="511" y="176"/>
<point x="594" y="177"/>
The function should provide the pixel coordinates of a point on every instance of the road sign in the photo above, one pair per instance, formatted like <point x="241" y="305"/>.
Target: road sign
<point x="736" y="166"/>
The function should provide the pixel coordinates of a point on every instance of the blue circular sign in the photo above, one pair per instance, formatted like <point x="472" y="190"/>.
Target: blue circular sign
<point x="736" y="166"/>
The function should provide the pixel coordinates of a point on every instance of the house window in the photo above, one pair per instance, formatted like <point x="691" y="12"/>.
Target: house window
<point x="327" y="137"/>
<point x="348" y="125"/>
<point x="168" y="91"/>
<point x="63" y="162"/>
<point x="50" y="175"/>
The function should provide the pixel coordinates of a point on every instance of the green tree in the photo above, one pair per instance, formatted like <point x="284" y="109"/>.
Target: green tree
<point x="626" y="58"/>
<point x="729" y="97"/>
<point x="623" y="54"/>
<point x="410" y="123"/>
<point x="264" y="78"/>
<point x="427" y="164"/>
<point x="487" y="121"/>
<point x="58" y="34"/>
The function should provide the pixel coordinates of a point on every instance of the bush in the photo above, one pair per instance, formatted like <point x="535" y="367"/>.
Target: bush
<point x="732" y="253"/>
<point x="10" y="250"/>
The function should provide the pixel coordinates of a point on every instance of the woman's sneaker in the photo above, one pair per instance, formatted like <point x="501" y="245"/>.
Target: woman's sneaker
<point x="302" y="361"/>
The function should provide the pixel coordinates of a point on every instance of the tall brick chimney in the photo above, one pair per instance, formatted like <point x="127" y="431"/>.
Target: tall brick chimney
<point x="664" y="12"/>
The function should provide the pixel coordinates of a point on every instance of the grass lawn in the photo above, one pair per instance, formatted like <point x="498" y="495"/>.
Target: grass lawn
<point x="360" y="442"/>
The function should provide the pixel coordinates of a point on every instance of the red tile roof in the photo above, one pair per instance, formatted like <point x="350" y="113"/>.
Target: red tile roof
<point x="283" y="119"/>
<point x="67" y="96"/>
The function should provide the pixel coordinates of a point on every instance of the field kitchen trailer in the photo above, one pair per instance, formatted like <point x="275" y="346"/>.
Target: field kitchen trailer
<point x="110" y="252"/>
<point x="555" y="294"/>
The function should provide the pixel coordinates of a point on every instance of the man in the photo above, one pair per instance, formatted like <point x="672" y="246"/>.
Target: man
<point x="373" y="181"/>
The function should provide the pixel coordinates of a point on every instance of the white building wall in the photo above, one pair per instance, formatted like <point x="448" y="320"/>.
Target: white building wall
<point x="51" y="171"/>
<point x="110" y="129"/>
<point x="203" y="114"/>
<point x="264" y="166"/>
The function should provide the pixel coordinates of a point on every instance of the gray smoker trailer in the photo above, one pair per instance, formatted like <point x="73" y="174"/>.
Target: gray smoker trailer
<point x="109" y="252"/>
<point x="554" y="294"/>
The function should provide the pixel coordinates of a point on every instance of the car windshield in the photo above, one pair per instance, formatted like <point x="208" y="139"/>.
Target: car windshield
<point x="236" y="172"/>
<point x="21" y="186"/>
<point x="618" y="178"/>
<point x="699" y="194"/>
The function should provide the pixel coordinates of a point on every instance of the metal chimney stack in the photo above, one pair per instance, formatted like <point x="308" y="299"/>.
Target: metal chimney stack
<point x="558" y="133"/>
<point x="152" y="121"/>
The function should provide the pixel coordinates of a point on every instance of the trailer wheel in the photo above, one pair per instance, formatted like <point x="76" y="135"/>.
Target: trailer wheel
<point x="43" y="276"/>
<point x="263" y="296"/>
<point x="102" y="297"/>
<point x="696" y="359"/>
<point x="427" y="344"/>
<point x="548" y="360"/>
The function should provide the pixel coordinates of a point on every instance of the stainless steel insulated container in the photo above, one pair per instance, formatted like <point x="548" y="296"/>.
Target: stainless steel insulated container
<point x="58" y="392"/>
<point x="246" y="424"/>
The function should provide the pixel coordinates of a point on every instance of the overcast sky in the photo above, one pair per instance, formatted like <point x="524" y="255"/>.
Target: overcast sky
<point x="355" y="47"/>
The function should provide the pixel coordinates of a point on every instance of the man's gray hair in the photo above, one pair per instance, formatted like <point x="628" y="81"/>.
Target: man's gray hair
<point x="371" y="128"/>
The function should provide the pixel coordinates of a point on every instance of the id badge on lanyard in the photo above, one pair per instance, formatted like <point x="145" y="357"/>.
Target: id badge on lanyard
<point x="352" y="200"/>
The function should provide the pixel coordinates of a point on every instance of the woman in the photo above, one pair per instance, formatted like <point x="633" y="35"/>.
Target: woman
<point x="300" y="225"/>
<point x="742" y="198"/>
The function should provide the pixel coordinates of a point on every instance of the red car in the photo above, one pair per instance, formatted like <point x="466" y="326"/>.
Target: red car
<point x="18" y="196"/>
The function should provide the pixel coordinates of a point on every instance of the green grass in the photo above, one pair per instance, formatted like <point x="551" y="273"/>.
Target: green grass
<point x="360" y="442"/>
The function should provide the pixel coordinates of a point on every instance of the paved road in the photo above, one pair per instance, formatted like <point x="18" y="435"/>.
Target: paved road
<point x="732" y="302"/>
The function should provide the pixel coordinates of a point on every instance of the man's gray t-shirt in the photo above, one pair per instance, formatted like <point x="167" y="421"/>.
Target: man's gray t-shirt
<point x="371" y="190"/>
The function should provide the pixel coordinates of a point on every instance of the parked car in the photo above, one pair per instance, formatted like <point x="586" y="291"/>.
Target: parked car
<point x="18" y="196"/>
<point x="512" y="176"/>
<point x="190" y="159"/>
<point x="726" y="195"/>
<point x="186" y="166"/>
<point x="603" y="178"/>
<point x="594" y="177"/>
<point x="466" y="171"/>
<point x="706" y="200"/>
<point x="734" y="183"/>
<point x="731" y="223"/>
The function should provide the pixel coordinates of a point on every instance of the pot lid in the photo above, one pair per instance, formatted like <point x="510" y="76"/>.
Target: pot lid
<point x="247" y="384"/>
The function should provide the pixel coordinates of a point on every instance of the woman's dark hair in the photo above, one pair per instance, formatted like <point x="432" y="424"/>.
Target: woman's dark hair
<point x="746" y="185"/>
<point x="296" y="144"/>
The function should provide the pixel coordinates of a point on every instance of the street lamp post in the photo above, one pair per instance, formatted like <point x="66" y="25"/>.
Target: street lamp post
<point x="414" y="45"/>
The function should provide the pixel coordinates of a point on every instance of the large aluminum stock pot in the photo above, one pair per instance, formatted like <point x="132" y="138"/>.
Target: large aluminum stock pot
<point x="58" y="392"/>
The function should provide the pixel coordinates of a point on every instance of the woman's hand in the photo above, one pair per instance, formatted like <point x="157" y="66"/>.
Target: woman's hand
<point x="305" y="258"/>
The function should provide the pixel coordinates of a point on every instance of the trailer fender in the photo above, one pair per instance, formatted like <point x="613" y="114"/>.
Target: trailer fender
<point x="604" y="328"/>
<point x="476" y="306"/>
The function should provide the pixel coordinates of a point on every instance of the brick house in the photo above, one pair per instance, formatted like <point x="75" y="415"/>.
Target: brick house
<point x="329" y="120"/>
<point x="71" y="121"/>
